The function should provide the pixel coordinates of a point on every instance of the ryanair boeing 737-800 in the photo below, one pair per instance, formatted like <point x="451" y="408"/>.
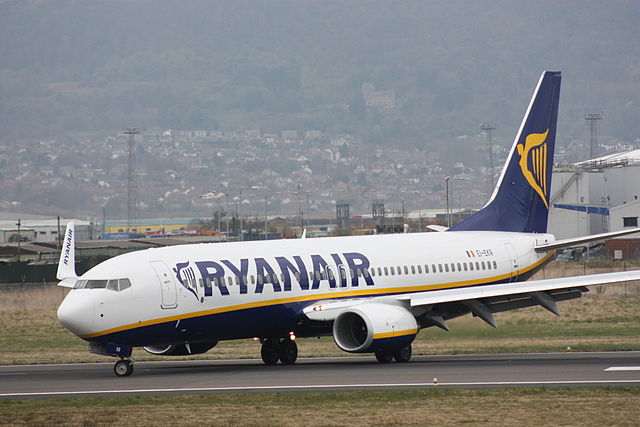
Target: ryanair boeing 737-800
<point x="372" y="293"/>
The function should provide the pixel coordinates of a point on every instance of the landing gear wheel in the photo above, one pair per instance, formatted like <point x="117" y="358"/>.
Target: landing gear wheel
<point x="384" y="356"/>
<point x="287" y="351"/>
<point x="402" y="354"/>
<point x="123" y="368"/>
<point x="269" y="351"/>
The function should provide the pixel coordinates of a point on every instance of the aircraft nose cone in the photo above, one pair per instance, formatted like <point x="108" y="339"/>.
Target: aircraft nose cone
<point x="76" y="313"/>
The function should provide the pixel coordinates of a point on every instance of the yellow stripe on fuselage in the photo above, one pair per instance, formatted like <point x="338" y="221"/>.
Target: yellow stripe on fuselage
<point x="316" y="297"/>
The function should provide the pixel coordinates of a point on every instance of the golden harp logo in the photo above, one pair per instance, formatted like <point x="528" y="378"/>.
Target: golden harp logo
<point x="533" y="163"/>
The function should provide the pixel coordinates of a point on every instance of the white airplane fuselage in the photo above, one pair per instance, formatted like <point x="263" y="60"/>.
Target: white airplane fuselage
<point x="221" y="291"/>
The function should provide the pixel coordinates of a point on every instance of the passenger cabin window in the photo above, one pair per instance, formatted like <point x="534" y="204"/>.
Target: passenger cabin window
<point x="406" y="270"/>
<point x="459" y="267"/>
<point x="386" y="271"/>
<point x="446" y="268"/>
<point x="420" y="269"/>
<point x="495" y="265"/>
<point x="393" y="271"/>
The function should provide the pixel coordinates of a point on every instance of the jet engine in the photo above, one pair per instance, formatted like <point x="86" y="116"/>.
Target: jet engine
<point x="185" y="349"/>
<point x="368" y="327"/>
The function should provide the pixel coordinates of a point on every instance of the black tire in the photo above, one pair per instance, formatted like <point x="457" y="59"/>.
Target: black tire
<point x="403" y="354"/>
<point x="384" y="356"/>
<point x="123" y="368"/>
<point x="269" y="352"/>
<point x="287" y="351"/>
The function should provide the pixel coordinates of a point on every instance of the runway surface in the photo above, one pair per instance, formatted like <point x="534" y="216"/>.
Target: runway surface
<point x="338" y="373"/>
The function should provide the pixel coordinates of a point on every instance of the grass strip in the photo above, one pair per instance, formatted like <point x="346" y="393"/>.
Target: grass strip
<point x="439" y="406"/>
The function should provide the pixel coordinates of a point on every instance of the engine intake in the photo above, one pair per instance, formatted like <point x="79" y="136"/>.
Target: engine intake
<point x="371" y="326"/>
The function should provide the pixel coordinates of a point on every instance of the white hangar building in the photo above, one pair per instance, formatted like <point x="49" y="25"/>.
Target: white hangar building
<point x="596" y="196"/>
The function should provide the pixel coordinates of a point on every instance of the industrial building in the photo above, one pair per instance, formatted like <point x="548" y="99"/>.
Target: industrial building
<point x="597" y="196"/>
<point x="35" y="228"/>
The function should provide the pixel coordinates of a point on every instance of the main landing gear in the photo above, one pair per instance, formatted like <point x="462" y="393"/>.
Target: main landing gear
<point x="123" y="368"/>
<point x="284" y="350"/>
<point x="399" y="355"/>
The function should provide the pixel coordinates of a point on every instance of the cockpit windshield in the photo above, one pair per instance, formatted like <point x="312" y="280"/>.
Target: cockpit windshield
<point x="112" y="284"/>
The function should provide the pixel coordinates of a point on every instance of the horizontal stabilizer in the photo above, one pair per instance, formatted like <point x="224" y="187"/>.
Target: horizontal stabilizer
<point x="579" y="241"/>
<point x="435" y="227"/>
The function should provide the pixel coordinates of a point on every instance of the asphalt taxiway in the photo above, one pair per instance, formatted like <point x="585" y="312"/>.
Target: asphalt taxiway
<point x="337" y="373"/>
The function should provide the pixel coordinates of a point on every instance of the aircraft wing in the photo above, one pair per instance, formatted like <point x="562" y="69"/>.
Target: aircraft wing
<point x="480" y="300"/>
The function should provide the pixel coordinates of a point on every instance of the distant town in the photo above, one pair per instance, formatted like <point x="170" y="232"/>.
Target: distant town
<point x="200" y="172"/>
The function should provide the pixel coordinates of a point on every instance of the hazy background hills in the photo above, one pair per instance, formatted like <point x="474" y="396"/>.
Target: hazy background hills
<point x="95" y="67"/>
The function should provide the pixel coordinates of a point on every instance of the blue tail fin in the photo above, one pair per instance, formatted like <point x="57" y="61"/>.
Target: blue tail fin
<point x="520" y="201"/>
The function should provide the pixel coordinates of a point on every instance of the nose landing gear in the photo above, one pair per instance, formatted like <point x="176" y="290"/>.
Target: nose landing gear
<point x="123" y="368"/>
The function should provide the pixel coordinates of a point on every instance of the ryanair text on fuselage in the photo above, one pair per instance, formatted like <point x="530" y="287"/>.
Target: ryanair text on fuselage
<point x="351" y="266"/>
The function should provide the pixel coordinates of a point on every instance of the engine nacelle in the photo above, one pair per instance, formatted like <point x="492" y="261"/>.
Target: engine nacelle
<point x="179" y="349"/>
<point x="368" y="327"/>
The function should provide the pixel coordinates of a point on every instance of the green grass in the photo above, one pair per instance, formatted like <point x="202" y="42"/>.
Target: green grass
<point x="434" y="406"/>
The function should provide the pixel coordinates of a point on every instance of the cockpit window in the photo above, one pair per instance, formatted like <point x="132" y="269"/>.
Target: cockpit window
<point x="113" y="284"/>
<point x="124" y="284"/>
<point x="95" y="284"/>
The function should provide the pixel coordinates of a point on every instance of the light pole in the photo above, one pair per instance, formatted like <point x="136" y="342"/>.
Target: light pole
<point x="227" y="213"/>
<point x="446" y="181"/>
<point x="19" y="238"/>
<point x="300" y="210"/>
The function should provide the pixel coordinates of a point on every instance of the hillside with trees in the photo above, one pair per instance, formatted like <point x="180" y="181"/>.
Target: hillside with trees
<point x="94" y="67"/>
